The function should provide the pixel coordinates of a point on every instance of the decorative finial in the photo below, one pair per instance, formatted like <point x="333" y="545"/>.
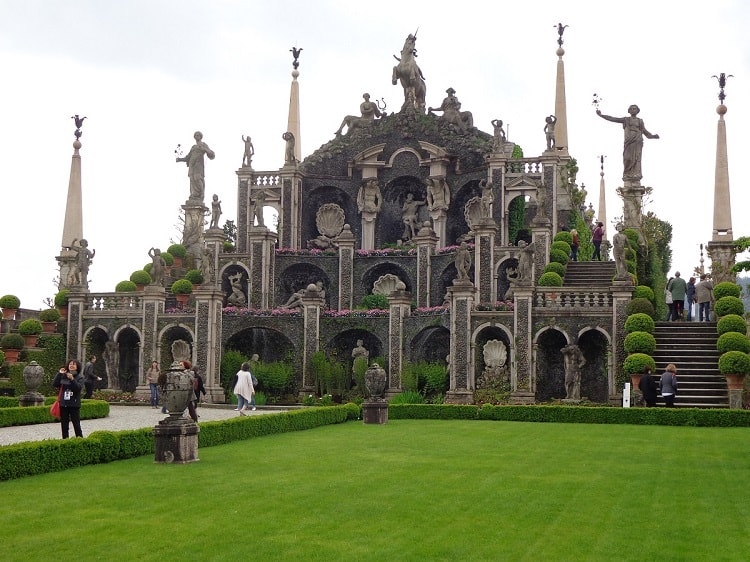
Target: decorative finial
<point x="601" y="162"/>
<point x="560" y="30"/>
<point x="79" y="123"/>
<point x="596" y="101"/>
<point x="295" y="53"/>
<point x="722" y="79"/>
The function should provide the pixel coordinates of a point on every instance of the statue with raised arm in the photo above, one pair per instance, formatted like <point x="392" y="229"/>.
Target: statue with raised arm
<point x="257" y="207"/>
<point x="635" y="130"/>
<point x="289" y="157"/>
<point x="215" y="211"/>
<point x="369" y="111"/>
<point x="157" y="266"/>
<point x="369" y="198"/>
<point x="452" y="113"/>
<point x="498" y="135"/>
<point x="84" y="256"/>
<point x="196" y="166"/>
<point x="247" y="156"/>
<point x="410" y="216"/>
<point x="438" y="194"/>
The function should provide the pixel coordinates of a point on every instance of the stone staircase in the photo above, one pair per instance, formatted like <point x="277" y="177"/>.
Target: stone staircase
<point x="691" y="346"/>
<point x="589" y="274"/>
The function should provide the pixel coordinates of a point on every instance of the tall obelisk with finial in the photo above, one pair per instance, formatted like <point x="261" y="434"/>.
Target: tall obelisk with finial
<point x="602" y="214"/>
<point x="561" y="108"/>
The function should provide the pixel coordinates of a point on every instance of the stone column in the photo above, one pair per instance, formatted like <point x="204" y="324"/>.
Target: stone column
<point x="622" y="293"/>
<point x="346" y="268"/>
<point x="313" y="305"/>
<point x="485" y="231"/>
<point x="77" y="301"/>
<point x="153" y="299"/>
<point x="426" y="241"/>
<point x="207" y="344"/>
<point x="244" y="183"/>
<point x="262" y="252"/>
<point x="215" y="245"/>
<point x="192" y="235"/>
<point x="461" y="383"/>
<point x="523" y="381"/>
<point x="400" y="307"/>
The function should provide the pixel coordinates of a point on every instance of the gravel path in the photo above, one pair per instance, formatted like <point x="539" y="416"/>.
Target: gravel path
<point x="120" y="417"/>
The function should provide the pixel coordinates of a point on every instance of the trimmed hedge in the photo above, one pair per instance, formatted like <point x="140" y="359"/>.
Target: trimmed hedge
<point x="733" y="341"/>
<point x="126" y="286"/>
<point x="640" y="342"/>
<point x="729" y="305"/>
<point x="562" y="246"/>
<point x="550" y="279"/>
<point x="636" y="363"/>
<point x="559" y="256"/>
<point x="731" y="323"/>
<point x="727" y="289"/>
<point x="644" y="292"/>
<point x="177" y="251"/>
<point x="140" y="277"/>
<point x="16" y="415"/>
<point x="643" y="306"/>
<point x="639" y="322"/>
<point x="555" y="267"/>
<point x="734" y="363"/>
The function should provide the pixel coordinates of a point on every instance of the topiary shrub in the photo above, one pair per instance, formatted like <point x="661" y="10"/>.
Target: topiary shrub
<point x="732" y="341"/>
<point x="640" y="342"/>
<point x="550" y="279"/>
<point x="644" y="292"/>
<point x="632" y="266"/>
<point x="639" y="322"/>
<point x="181" y="287"/>
<point x="734" y="363"/>
<point x="559" y="256"/>
<point x="636" y="363"/>
<point x="126" y="286"/>
<point x="147" y="268"/>
<point x="731" y="323"/>
<point x="2" y="357"/>
<point x="168" y="258"/>
<point x="643" y="306"/>
<point x="61" y="298"/>
<point x="140" y="277"/>
<point x="30" y="327"/>
<point x="49" y="315"/>
<point x="12" y="341"/>
<point x="562" y="246"/>
<point x="371" y="302"/>
<point x="555" y="268"/>
<point x="10" y="301"/>
<point x="227" y="247"/>
<point x="194" y="276"/>
<point x="727" y="289"/>
<point x="564" y="236"/>
<point x="177" y="251"/>
<point x="729" y="305"/>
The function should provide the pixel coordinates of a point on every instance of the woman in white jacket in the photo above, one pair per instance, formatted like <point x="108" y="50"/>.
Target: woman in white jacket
<point x="244" y="389"/>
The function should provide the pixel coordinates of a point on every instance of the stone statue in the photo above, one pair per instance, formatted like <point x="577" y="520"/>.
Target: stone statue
<point x="635" y="130"/>
<point x="541" y="201"/>
<point x="236" y="295"/>
<point x="485" y="200"/>
<point x="589" y="213"/>
<point x="249" y="152"/>
<point x="111" y="356"/>
<point x="525" y="262"/>
<point x="463" y="262"/>
<point x="369" y="111"/>
<point x="620" y="243"/>
<point x="295" y="301"/>
<point x="549" y="131"/>
<point x="574" y="360"/>
<point x="215" y="211"/>
<point x="319" y="288"/>
<point x="410" y="216"/>
<point x="196" y="166"/>
<point x="411" y="77"/>
<point x="84" y="257"/>
<point x="499" y="138"/>
<point x="157" y="266"/>
<point x="257" y="207"/>
<point x="289" y="157"/>
<point x="180" y="351"/>
<point x="495" y="354"/>
<point x="438" y="194"/>
<point x="207" y="266"/>
<point x="452" y="113"/>
<point x="369" y="198"/>
<point x="360" y="351"/>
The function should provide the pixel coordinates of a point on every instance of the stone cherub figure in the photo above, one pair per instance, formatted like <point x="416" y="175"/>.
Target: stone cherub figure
<point x="549" y="131"/>
<point x="499" y="137"/>
<point x="620" y="244"/>
<point x="257" y="207"/>
<point x="157" y="266"/>
<point x="632" y="152"/>
<point x="84" y="257"/>
<point x="485" y="200"/>
<point x="289" y="157"/>
<point x="196" y="166"/>
<point x="207" y="266"/>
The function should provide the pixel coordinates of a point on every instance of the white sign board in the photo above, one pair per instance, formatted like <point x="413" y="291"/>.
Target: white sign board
<point x="626" y="396"/>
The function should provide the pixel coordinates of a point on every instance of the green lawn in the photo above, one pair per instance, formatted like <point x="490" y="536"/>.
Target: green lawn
<point x="409" y="490"/>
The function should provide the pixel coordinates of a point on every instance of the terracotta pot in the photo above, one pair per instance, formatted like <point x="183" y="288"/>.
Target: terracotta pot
<point x="9" y="313"/>
<point x="177" y="262"/>
<point x="63" y="311"/>
<point x="182" y="299"/>
<point x="140" y="287"/>
<point x="635" y="380"/>
<point x="49" y="327"/>
<point x="734" y="382"/>
<point x="11" y="355"/>
<point x="31" y="340"/>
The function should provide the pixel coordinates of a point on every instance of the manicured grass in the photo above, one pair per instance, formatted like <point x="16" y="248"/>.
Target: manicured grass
<point x="409" y="490"/>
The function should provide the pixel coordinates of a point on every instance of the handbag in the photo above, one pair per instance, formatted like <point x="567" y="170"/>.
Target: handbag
<point x="54" y="410"/>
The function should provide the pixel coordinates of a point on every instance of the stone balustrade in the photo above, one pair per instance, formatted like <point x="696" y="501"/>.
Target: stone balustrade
<point x="572" y="297"/>
<point x="125" y="302"/>
<point x="525" y="166"/>
<point x="266" y="179"/>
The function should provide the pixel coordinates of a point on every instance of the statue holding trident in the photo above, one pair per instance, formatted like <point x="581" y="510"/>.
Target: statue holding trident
<point x="635" y="130"/>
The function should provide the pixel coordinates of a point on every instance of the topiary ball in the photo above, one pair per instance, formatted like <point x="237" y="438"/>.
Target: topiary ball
<point x="177" y="251"/>
<point x="732" y="341"/>
<point x="729" y="305"/>
<point x="12" y="341"/>
<point x="126" y="287"/>
<point x="640" y="342"/>
<point x="61" y="298"/>
<point x="644" y="292"/>
<point x="49" y="315"/>
<point x="640" y="305"/>
<point x="10" y="301"/>
<point x="140" y="277"/>
<point x="550" y="279"/>
<point x="731" y="323"/>
<point x="562" y="246"/>
<point x="734" y="363"/>
<point x="727" y="289"/>
<point x="636" y="363"/>
<point x="30" y="327"/>
<point x="639" y="322"/>
<point x="194" y="276"/>
<point x="182" y="287"/>
<point x="564" y="236"/>
<point x="559" y="256"/>
<point x="168" y="259"/>
<point x="555" y="267"/>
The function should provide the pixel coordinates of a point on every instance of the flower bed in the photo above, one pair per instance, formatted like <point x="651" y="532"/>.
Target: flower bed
<point x="306" y="252"/>
<point x="386" y="252"/>
<point x="501" y="306"/>
<point x="344" y="313"/>
<point x="235" y="311"/>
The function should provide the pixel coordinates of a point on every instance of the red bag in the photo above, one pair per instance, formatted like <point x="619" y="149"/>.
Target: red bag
<point x="54" y="410"/>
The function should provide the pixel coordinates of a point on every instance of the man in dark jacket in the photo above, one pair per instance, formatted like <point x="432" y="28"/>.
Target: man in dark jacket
<point x="89" y="377"/>
<point x="647" y="386"/>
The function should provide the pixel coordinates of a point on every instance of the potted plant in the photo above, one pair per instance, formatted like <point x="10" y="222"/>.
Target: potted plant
<point x="195" y="277"/>
<point x="12" y="344"/>
<point x="181" y="289"/>
<point x="178" y="253"/>
<point x="10" y="305"/>
<point x="61" y="302"/>
<point x="735" y="366"/>
<point x="141" y="278"/>
<point x="30" y="330"/>
<point x="126" y="287"/>
<point x="49" y="320"/>
<point x="635" y="364"/>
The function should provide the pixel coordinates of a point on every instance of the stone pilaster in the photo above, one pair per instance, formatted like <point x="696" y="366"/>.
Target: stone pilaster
<point x="262" y="252"/>
<point x="244" y="182"/>
<point x="523" y="381"/>
<point x="439" y="221"/>
<point x="290" y="218"/>
<point x="153" y="299"/>
<point x="215" y="245"/>
<point x="207" y="344"/>
<point x="192" y="235"/>
<point x="400" y="308"/>
<point x="632" y="201"/>
<point x="485" y="231"/>
<point x="346" y="268"/>
<point x="461" y="383"/>
<point x="312" y="308"/>
<point x="77" y="301"/>
<point x="622" y="293"/>
<point x="426" y="241"/>
<point x="541" y="237"/>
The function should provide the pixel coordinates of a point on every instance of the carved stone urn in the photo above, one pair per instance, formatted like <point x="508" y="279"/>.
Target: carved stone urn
<point x="375" y="379"/>
<point x="33" y="374"/>
<point x="178" y="392"/>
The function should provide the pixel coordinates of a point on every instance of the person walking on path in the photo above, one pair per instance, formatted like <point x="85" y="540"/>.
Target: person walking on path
<point x="198" y="388"/>
<point x="668" y="384"/>
<point x="704" y="296"/>
<point x="89" y="377"/>
<point x="574" y="245"/>
<point x="152" y="378"/>
<point x="647" y="386"/>
<point x="69" y="382"/>
<point x="690" y="298"/>
<point x="244" y="389"/>
<point x="596" y="238"/>
<point x="678" y="288"/>
<point x="669" y="301"/>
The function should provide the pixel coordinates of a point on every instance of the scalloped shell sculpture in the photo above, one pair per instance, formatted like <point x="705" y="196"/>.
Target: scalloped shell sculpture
<point x="495" y="353"/>
<point x="330" y="220"/>
<point x="180" y="350"/>
<point x="473" y="211"/>
<point x="386" y="284"/>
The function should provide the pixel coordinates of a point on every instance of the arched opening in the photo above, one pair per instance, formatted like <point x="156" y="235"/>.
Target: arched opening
<point x="594" y="383"/>
<point x="550" y="367"/>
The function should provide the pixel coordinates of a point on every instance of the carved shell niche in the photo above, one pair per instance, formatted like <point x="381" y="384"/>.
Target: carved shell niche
<point x="495" y="353"/>
<point x="180" y="350"/>
<point x="386" y="284"/>
<point x="473" y="211"/>
<point x="330" y="220"/>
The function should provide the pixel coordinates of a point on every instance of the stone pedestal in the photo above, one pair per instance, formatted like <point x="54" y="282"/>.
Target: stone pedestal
<point x="375" y="412"/>
<point x="368" y="229"/>
<point x="485" y="231"/>
<point x="400" y="307"/>
<point x="192" y="234"/>
<point x="346" y="268"/>
<point x="461" y="377"/>
<point x="176" y="442"/>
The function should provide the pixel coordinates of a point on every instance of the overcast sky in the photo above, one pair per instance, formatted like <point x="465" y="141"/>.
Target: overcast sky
<point x="148" y="73"/>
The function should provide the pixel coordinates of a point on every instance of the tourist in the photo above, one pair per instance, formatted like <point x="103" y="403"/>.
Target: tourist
<point x="244" y="390"/>
<point x="596" y="238"/>
<point x="161" y="381"/>
<point x="704" y="296"/>
<point x="690" y="298"/>
<point x="678" y="288"/>
<point x="69" y="382"/>
<point x="669" y="300"/>
<point x="668" y="385"/>
<point x="574" y="245"/>
<point x="648" y="387"/>
<point x="89" y="377"/>
<point x="152" y="378"/>
<point x="198" y="388"/>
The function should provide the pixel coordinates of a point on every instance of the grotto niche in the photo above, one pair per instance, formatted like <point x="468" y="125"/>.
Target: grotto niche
<point x="594" y="381"/>
<point x="492" y="361"/>
<point x="270" y="345"/>
<point x="550" y="368"/>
